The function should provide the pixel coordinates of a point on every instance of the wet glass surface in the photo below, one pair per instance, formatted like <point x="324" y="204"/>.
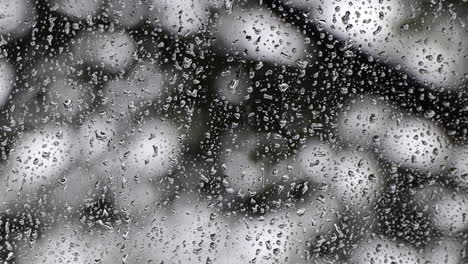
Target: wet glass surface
<point x="233" y="131"/>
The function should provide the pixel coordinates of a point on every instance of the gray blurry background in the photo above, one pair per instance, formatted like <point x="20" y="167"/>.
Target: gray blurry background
<point x="224" y="131"/>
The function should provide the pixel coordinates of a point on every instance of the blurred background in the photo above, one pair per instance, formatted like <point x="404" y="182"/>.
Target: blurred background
<point x="233" y="131"/>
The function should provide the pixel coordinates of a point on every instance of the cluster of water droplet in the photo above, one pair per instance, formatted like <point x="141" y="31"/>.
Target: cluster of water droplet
<point x="206" y="131"/>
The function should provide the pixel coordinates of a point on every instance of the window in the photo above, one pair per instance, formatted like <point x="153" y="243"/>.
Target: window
<point x="233" y="131"/>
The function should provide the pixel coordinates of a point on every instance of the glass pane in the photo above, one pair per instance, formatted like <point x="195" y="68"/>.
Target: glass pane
<point x="233" y="131"/>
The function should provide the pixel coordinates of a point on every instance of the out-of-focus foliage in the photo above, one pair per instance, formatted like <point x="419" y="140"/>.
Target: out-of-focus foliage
<point x="233" y="131"/>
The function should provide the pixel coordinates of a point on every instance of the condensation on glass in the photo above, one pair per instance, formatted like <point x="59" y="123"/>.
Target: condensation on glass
<point x="234" y="131"/>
